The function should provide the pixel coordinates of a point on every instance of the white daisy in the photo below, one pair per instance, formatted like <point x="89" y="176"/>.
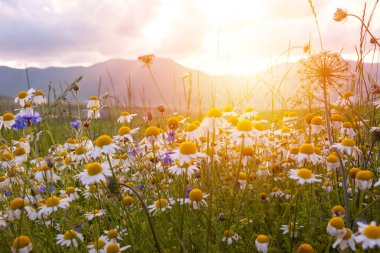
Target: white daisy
<point x="126" y="117"/>
<point x="105" y="145"/>
<point x="94" y="173"/>
<point x="348" y="240"/>
<point x="22" y="244"/>
<point x="186" y="152"/>
<point x="94" y="213"/>
<point x="303" y="176"/>
<point x="53" y="204"/>
<point x="230" y="236"/>
<point x="368" y="235"/>
<point x="24" y="96"/>
<point x="261" y="243"/>
<point x="69" y="238"/>
<point x="7" y="120"/>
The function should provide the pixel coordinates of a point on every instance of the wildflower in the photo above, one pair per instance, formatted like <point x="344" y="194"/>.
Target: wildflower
<point x="93" y="112"/>
<point x="105" y="145"/>
<point x="46" y="173"/>
<point x="76" y="124"/>
<point x="249" y="113"/>
<point x="228" y="112"/>
<point x="364" y="179"/>
<point x="93" y="101"/>
<point x="97" y="246"/>
<point x="230" y="236"/>
<point x="338" y="211"/>
<point x="245" y="221"/>
<point x="115" y="248"/>
<point x="18" y="206"/>
<point x="71" y="192"/>
<point x="53" y="204"/>
<point x="347" y="130"/>
<point x="147" y="59"/>
<point x="94" y="173"/>
<point x="305" y="248"/>
<point x="262" y="242"/>
<point x="346" y="241"/>
<point x="70" y="237"/>
<point x="125" y="133"/>
<point x="290" y="228"/>
<point x="335" y="227"/>
<point x="303" y="176"/>
<point x="348" y="146"/>
<point x="336" y="121"/>
<point x="340" y="15"/>
<point x="316" y="125"/>
<point x="94" y="213"/>
<point x="24" y="96"/>
<point x="7" y="120"/>
<point x="113" y="235"/>
<point x="368" y="235"/>
<point x="327" y="186"/>
<point x="160" y="205"/>
<point x="197" y="198"/>
<point x="39" y="97"/>
<point x="186" y="169"/>
<point x="332" y="162"/>
<point x="276" y="193"/>
<point x="263" y="171"/>
<point x="192" y="132"/>
<point x="22" y="244"/>
<point x="348" y="98"/>
<point x="243" y="132"/>
<point x="126" y="117"/>
<point x="212" y="122"/>
<point x="186" y="152"/>
<point x="307" y="152"/>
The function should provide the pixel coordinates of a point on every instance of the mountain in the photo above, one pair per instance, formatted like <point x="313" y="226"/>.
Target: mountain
<point x="114" y="75"/>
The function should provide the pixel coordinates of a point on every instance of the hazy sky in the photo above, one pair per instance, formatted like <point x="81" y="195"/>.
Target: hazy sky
<point x="217" y="36"/>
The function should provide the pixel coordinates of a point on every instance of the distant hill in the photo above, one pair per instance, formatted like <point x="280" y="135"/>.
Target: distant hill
<point x="248" y="90"/>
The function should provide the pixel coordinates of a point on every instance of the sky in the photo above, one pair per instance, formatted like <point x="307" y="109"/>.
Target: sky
<point x="215" y="36"/>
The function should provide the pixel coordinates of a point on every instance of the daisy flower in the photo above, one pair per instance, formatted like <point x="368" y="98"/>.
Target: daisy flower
<point x="94" y="213"/>
<point x="348" y="240"/>
<point x="338" y="211"/>
<point x="126" y="117"/>
<point x="39" y="97"/>
<point x="125" y="134"/>
<point x="7" y="120"/>
<point x="307" y="153"/>
<point x="316" y="125"/>
<point x="105" y="145"/>
<point x="249" y="113"/>
<point x="80" y="153"/>
<point x="18" y="206"/>
<point x="113" y="235"/>
<point x="276" y="193"/>
<point x="262" y="242"/>
<point x="364" y="179"/>
<point x="212" y="122"/>
<point x="228" y="112"/>
<point x="24" y="96"/>
<point x="348" y="98"/>
<point x="368" y="235"/>
<point x="243" y="132"/>
<point x="93" y="112"/>
<point x="290" y="228"/>
<point x="230" y="236"/>
<point x="160" y="205"/>
<point x="115" y="248"/>
<point x="337" y="121"/>
<point x="186" y="168"/>
<point x="305" y="248"/>
<point x="26" y="110"/>
<point x="93" y="101"/>
<point x="303" y="176"/>
<point x="327" y="186"/>
<point x="332" y="162"/>
<point x="186" y="152"/>
<point x="97" y="246"/>
<point x="197" y="198"/>
<point x="53" y="204"/>
<point x="94" y="173"/>
<point x="22" y="244"/>
<point x="347" y="130"/>
<point x="191" y="132"/>
<point x="335" y="227"/>
<point x="46" y="173"/>
<point x="71" y="192"/>
<point x="69" y="238"/>
<point x="348" y="146"/>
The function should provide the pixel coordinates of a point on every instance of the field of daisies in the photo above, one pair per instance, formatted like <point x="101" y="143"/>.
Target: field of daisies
<point x="232" y="180"/>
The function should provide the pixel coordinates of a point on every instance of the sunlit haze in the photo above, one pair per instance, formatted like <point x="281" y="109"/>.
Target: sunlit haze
<point x="216" y="36"/>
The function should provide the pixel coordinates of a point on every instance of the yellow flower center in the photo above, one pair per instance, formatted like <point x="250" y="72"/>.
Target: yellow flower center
<point x="52" y="201"/>
<point x="305" y="173"/>
<point x="337" y="222"/>
<point x="285" y="130"/>
<point x="214" y="113"/>
<point x="247" y="151"/>
<point x="99" y="244"/>
<point x="332" y="159"/>
<point x="92" y="189"/>
<point x="258" y="126"/>
<point x="2" y="178"/>
<point x="244" y="125"/>
<point x="307" y="148"/>
<point x="112" y="248"/>
<point x="128" y="200"/>
<point x="94" y="98"/>
<point x="364" y="175"/>
<point x="27" y="104"/>
<point x="152" y="131"/>
<point x="103" y="140"/>
<point x="123" y="131"/>
<point x="22" y="94"/>
<point x="191" y="127"/>
<point x="316" y="121"/>
<point x="196" y="195"/>
<point x="7" y="156"/>
<point x="248" y="109"/>
<point x="262" y="238"/>
<point x="80" y="150"/>
<point x="69" y="235"/>
<point x="39" y="93"/>
<point x="227" y="109"/>
<point x="8" y="117"/>
<point x="348" y="94"/>
<point x="94" y="168"/>
<point x="348" y="142"/>
<point x="242" y="176"/>
<point x="294" y="151"/>
<point x="70" y="190"/>
<point x="228" y="233"/>
<point x="187" y="148"/>
<point x="305" y="248"/>
<point x="72" y="141"/>
<point x="17" y="203"/>
<point x="348" y="234"/>
<point x="161" y="203"/>
<point x="124" y="113"/>
<point x="21" y="242"/>
<point x="112" y="233"/>
<point x="233" y="120"/>
<point x="172" y="123"/>
<point x="372" y="232"/>
<point x="337" y="117"/>
<point x="338" y="209"/>
<point x="347" y="124"/>
<point x="275" y="189"/>
<point x="353" y="172"/>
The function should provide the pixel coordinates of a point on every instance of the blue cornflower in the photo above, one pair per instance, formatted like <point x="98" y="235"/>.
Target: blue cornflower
<point x="75" y="124"/>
